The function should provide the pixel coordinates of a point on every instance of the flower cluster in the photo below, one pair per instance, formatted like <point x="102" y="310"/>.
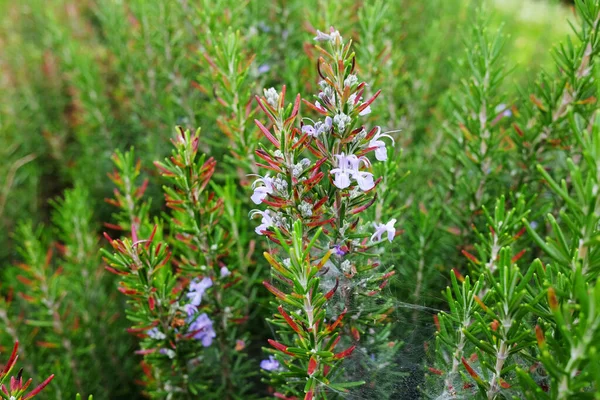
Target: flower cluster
<point x="322" y="184"/>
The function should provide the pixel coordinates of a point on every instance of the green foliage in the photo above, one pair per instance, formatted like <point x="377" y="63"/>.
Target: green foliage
<point x="492" y="182"/>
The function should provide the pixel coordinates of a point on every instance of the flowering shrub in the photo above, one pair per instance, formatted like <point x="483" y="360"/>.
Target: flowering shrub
<point x="297" y="246"/>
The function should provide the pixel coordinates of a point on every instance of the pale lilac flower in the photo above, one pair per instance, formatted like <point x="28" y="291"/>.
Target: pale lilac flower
<point x="324" y="37"/>
<point x="380" y="150"/>
<point x="167" y="352"/>
<point x="265" y="223"/>
<point x="155" y="334"/>
<point x="380" y="229"/>
<point x="270" y="364"/>
<point x="203" y="330"/>
<point x="197" y="289"/>
<point x="338" y="251"/>
<point x="321" y="36"/>
<point x="261" y="192"/>
<point x="504" y="110"/>
<point x="319" y="127"/>
<point x="364" y="179"/>
<point x="342" y="172"/>
<point x="310" y="130"/>
<point x="190" y="309"/>
<point x="349" y="167"/>
<point x="224" y="272"/>
<point x="533" y="225"/>
<point x="366" y="111"/>
<point x="264" y="68"/>
<point x="319" y="106"/>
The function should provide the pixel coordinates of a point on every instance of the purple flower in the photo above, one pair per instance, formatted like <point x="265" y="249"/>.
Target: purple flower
<point x="224" y="272"/>
<point x="155" y="334"/>
<point x="265" y="223"/>
<point x="270" y="364"/>
<point x="264" y="68"/>
<point x="504" y="110"/>
<point x="318" y="128"/>
<point x="202" y="327"/>
<point x="380" y="150"/>
<point x="197" y="289"/>
<point x="339" y="251"/>
<point x="261" y="192"/>
<point x="190" y="309"/>
<point x="380" y="229"/>
<point x="167" y="352"/>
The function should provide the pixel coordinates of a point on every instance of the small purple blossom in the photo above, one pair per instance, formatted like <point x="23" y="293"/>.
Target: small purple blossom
<point x="380" y="229"/>
<point x="319" y="127"/>
<point x="190" y="309"/>
<point x="197" y="289"/>
<point x="338" y="251"/>
<point x="504" y="110"/>
<point x="167" y="352"/>
<point x="264" y="68"/>
<point x="224" y="272"/>
<point x="202" y="327"/>
<point x="270" y="364"/>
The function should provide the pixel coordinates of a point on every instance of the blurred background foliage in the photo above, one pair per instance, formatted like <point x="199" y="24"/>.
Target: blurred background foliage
<point x="79" y="79"/>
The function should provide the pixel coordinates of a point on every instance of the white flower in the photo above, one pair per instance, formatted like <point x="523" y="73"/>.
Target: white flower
<point x="224" y="272"/>
<point x="265" y="223"/>
<point x="380" y="150"/>
<point x="342" y="172"/>
<point x="365" y="180"/>
<point x="261" y="192"/>
<point x="272" y="97"/>
<point x="380" y="229"/>
<point x="349" y="167"/>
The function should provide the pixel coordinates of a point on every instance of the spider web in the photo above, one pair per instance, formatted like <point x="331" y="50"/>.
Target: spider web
<point x="400" y="375"/>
